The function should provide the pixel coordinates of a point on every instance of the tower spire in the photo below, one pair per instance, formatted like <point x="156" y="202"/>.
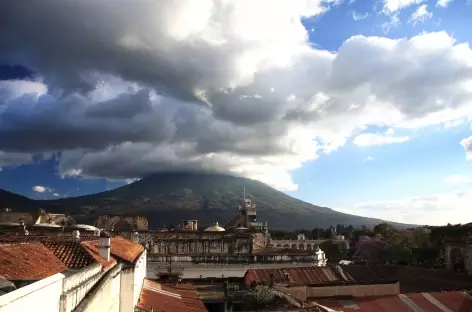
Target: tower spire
<point x="244" y="192"/>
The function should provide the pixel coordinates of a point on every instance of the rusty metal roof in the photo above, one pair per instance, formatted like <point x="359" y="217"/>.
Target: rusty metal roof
<point x="181" y="298"/>
<point x="120" y="248"/>
<point x="363" y="274"/>
<point x="28" y="261"/>
<point x="422" y="302"/>
<point x="295" y="276"/>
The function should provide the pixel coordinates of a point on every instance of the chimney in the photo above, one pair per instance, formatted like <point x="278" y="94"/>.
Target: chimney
<point x="76" y="235"/>
<point x="104" y="243"/>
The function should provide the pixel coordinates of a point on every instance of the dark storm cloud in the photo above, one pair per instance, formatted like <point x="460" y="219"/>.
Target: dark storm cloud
<point x="125" y="88"/>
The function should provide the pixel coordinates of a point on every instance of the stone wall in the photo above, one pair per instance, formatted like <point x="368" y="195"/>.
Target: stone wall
<point x="135" y="223"/>
<point x="465" y="250"/>
<point x="28" y="218"/>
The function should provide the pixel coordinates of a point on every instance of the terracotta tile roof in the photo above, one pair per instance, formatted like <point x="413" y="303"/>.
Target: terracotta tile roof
<point x="93" y="251"/>
<point x="169" y="299"/>
<point x="426" y="302"/>
<point x="44" y="238"/>
<point x="294" y="276"/>
<point x="120" y="248"/>
<point x="72" y="254"/>
<point x="28" y="261"/>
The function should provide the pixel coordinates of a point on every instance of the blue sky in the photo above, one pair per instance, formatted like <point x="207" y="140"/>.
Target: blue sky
<point x="403" y="157"/>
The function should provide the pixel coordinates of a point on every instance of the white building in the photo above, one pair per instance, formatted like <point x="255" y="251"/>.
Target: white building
<point x="66" y="273"/>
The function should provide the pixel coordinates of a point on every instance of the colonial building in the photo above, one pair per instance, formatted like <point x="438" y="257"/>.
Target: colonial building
<point x="302" y="243"/>
<point x="242" y="240"/>
<point x="10" y="218"/>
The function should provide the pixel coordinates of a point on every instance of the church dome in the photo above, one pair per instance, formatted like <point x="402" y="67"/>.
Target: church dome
<point x="84" y="227"/>
<point x="215" y="228"/>
<point x="46" y="225"/>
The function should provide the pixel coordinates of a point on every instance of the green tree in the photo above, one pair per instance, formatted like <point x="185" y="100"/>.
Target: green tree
<point x="384" y="229"/>
<point x="334" y="252"/>
<point x="259" y="297"/>
<point x="317" y="233"/>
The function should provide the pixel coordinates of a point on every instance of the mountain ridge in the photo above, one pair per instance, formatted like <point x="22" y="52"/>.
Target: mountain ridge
<point x="169" y="197"/>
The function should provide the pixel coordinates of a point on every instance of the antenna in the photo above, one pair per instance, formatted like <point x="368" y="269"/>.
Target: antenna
<point x="244" y="192"/>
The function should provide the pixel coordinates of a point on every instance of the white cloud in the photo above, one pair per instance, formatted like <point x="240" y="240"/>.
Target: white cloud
<point x="453" y="123"/>
<point x="41" y="189"/>
<point x="369" y="139"/>
<point x="396" y="5"/>
<point x="235" y="87"/>
<point x="438" y="209"/>
<point x="55" y="195"/>
<point x="421" y="15"/>
<point x="443" y="3"/>
<point x="368" y="159"/>
<point x="458" y="179"/>
<point x="358" y="16"/>
<point x="467" y="145"/>
<point x="393" y="22"/>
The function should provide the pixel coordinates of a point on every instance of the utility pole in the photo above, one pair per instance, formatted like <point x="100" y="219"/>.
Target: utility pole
<point x="170" y="266"/>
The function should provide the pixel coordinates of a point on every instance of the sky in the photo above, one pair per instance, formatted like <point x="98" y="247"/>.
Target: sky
<point x="361" y="106"/>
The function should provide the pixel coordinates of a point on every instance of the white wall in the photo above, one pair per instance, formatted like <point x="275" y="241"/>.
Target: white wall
<point x="140" y="271"/>
<point x="127" y="290"/>
<point x="40" y="296"/>
<point x="131" y="283"/>
<point x="106" y="297"/>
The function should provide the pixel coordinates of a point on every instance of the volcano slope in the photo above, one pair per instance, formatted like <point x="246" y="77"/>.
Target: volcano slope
<point x="168" y="198"/>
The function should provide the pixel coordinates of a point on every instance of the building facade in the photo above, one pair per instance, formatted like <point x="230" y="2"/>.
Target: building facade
<point x="242" y="240"/>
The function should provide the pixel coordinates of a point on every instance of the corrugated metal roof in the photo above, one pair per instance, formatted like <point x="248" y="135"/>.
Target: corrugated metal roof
<point x="120" y="248"/>
<point x="169" y="299"/>
<point x="366" y="274"/>
<point x="418" y="302"/>
<point x="295" y="276"/>
<point x="28" y="261"/>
